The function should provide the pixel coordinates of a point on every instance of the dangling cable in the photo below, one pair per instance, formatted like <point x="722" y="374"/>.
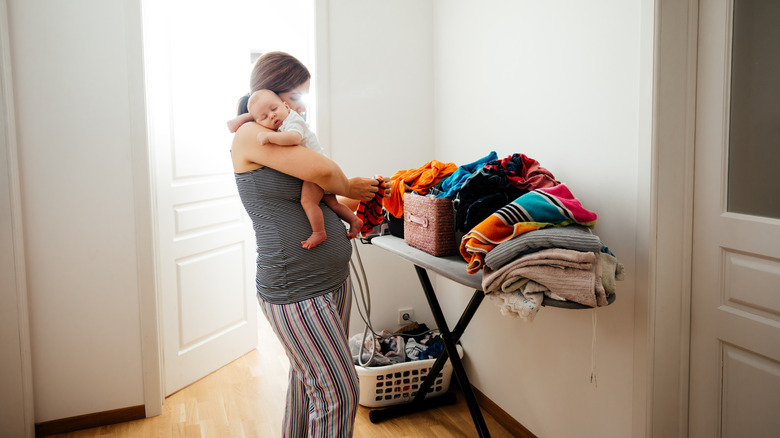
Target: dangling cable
<point x="365" y="311"/>
<point x="593" y="378"/>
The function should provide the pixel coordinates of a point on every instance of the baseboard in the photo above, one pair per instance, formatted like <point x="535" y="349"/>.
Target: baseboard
<point x="504" y="419"/>
<point x="87" y="421"/>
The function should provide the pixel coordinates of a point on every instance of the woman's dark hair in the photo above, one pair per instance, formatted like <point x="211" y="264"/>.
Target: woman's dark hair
<point x="276" y="71"/>
<point x="242" y="105"/>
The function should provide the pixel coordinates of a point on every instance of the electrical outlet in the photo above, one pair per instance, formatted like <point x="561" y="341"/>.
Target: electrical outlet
<point x="405" y="315"/>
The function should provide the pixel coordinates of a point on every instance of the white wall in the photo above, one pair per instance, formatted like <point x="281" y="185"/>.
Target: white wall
<point x="558" y="81"/>
<point x="380" y="72"/>
<point x="74" y="128"/>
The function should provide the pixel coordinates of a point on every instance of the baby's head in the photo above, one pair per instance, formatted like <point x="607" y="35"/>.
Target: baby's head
<point x="267" y="109"/>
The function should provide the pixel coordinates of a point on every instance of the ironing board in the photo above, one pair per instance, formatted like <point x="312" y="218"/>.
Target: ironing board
<point x="453" y="268"/>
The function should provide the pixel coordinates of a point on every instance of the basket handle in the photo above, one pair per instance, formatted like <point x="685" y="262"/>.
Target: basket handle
<point x="419" y="220"/>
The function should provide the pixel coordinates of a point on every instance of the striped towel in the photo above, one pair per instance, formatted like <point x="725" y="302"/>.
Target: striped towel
<point x="544" y="207"/>
<point x="370" y="212"/>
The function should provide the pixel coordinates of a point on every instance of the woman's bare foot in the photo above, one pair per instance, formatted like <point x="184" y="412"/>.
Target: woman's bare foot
<point x="315" y="239"/>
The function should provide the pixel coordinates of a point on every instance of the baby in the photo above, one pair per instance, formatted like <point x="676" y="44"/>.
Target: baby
<point x="268" y="110"/>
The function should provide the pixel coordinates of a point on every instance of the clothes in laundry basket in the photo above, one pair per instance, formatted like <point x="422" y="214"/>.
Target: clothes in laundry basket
<point x="388" y="349"/>
<point x="392" y="348"/>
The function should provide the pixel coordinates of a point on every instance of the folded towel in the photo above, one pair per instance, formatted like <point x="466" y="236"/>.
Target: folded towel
<point x="545" y="207"/>
<point x="575" y="237"/>
<point x="571" y="275"/>
<point x="611" y="270"/>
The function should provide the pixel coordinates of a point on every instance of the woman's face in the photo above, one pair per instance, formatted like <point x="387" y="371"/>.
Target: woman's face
<point x="296" y="98"/>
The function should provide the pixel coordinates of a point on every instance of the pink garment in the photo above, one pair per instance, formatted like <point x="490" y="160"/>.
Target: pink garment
<point x="523" y="172"/>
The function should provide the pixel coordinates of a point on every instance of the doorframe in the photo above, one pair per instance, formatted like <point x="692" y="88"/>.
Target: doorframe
<point x="147" y="240"/>
<point x="664" y="289"/>
<point x="12" y="184"/>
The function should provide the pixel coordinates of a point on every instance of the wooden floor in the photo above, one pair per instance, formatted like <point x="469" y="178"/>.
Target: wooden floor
<point x="246" y="399"/>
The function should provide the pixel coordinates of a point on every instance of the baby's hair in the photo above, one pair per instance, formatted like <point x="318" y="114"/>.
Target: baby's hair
<point x="256" y="95"/>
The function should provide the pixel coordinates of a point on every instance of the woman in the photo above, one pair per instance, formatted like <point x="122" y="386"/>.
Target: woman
<point x="304" y="293"/>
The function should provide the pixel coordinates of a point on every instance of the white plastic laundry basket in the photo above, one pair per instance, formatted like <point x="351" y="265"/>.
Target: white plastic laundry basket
<point x="399" y="383"/>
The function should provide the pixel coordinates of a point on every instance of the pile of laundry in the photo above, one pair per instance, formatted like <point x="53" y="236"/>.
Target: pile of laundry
<point x="411" y="342"/>
<point x="526" y="230"/>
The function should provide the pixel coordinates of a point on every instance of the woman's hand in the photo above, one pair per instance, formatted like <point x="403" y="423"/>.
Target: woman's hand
<point x="362" y="189"/>
<point x="386" y="184"/>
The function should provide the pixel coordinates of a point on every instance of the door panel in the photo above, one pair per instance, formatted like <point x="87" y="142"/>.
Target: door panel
<point x="748" y="377"/>
<point x="735" y="307"/>
<point x="763" y="274"/>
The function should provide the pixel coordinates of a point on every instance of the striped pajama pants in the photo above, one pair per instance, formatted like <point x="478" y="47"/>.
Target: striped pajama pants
<point x="323" y="394"/>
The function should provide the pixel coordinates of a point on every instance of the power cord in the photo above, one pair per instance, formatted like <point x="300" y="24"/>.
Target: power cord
<point x="365" y="310"/>
<point x="363" y="304"/>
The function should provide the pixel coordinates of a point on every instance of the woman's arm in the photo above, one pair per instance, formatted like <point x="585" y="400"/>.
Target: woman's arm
<point x="297" y="161"/>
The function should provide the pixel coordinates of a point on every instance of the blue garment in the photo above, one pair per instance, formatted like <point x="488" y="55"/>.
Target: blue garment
<point x="432" y="352"/>
<point x="450" y="186"/>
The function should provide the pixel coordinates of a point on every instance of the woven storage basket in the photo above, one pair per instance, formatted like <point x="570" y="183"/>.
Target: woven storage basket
<point x="429" y="224"/>
<point x="399" y="383"/>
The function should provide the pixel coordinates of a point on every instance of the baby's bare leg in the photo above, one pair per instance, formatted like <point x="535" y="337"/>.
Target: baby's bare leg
<point x="345" y="214"/>
<point x="311" y="194"/>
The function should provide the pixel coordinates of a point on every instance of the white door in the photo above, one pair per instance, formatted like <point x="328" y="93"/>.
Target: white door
<point x="195" y="71"/>
<point x="735" y="317"/>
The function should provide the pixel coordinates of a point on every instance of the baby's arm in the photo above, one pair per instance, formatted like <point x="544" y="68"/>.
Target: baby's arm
<point x="234" y="124"/>
<point x="287" y="138"/>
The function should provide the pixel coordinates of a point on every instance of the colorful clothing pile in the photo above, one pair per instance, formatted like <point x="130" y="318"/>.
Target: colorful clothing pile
<point x="546" y="207"/>
<point x="541" y="246"/>
<point x="418" y="180"/>
<point x="496" y="184"/>
<point x="450" y="186"/>
<point x="526" y="230"/>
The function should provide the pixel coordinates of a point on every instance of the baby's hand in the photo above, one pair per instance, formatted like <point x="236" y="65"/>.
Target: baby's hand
<point x="233" y="125"/>
<point x="263" y="138"/>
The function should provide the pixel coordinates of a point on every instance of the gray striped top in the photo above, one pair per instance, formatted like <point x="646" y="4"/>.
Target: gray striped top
<point x="287" y="272"/>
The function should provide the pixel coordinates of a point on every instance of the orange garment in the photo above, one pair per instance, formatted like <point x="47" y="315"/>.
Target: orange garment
<point x="418" y="180"/>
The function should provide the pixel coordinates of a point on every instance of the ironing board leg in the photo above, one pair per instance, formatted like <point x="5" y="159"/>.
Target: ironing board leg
<point x="457" y="332"/>
<point x="449" y="345"/>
